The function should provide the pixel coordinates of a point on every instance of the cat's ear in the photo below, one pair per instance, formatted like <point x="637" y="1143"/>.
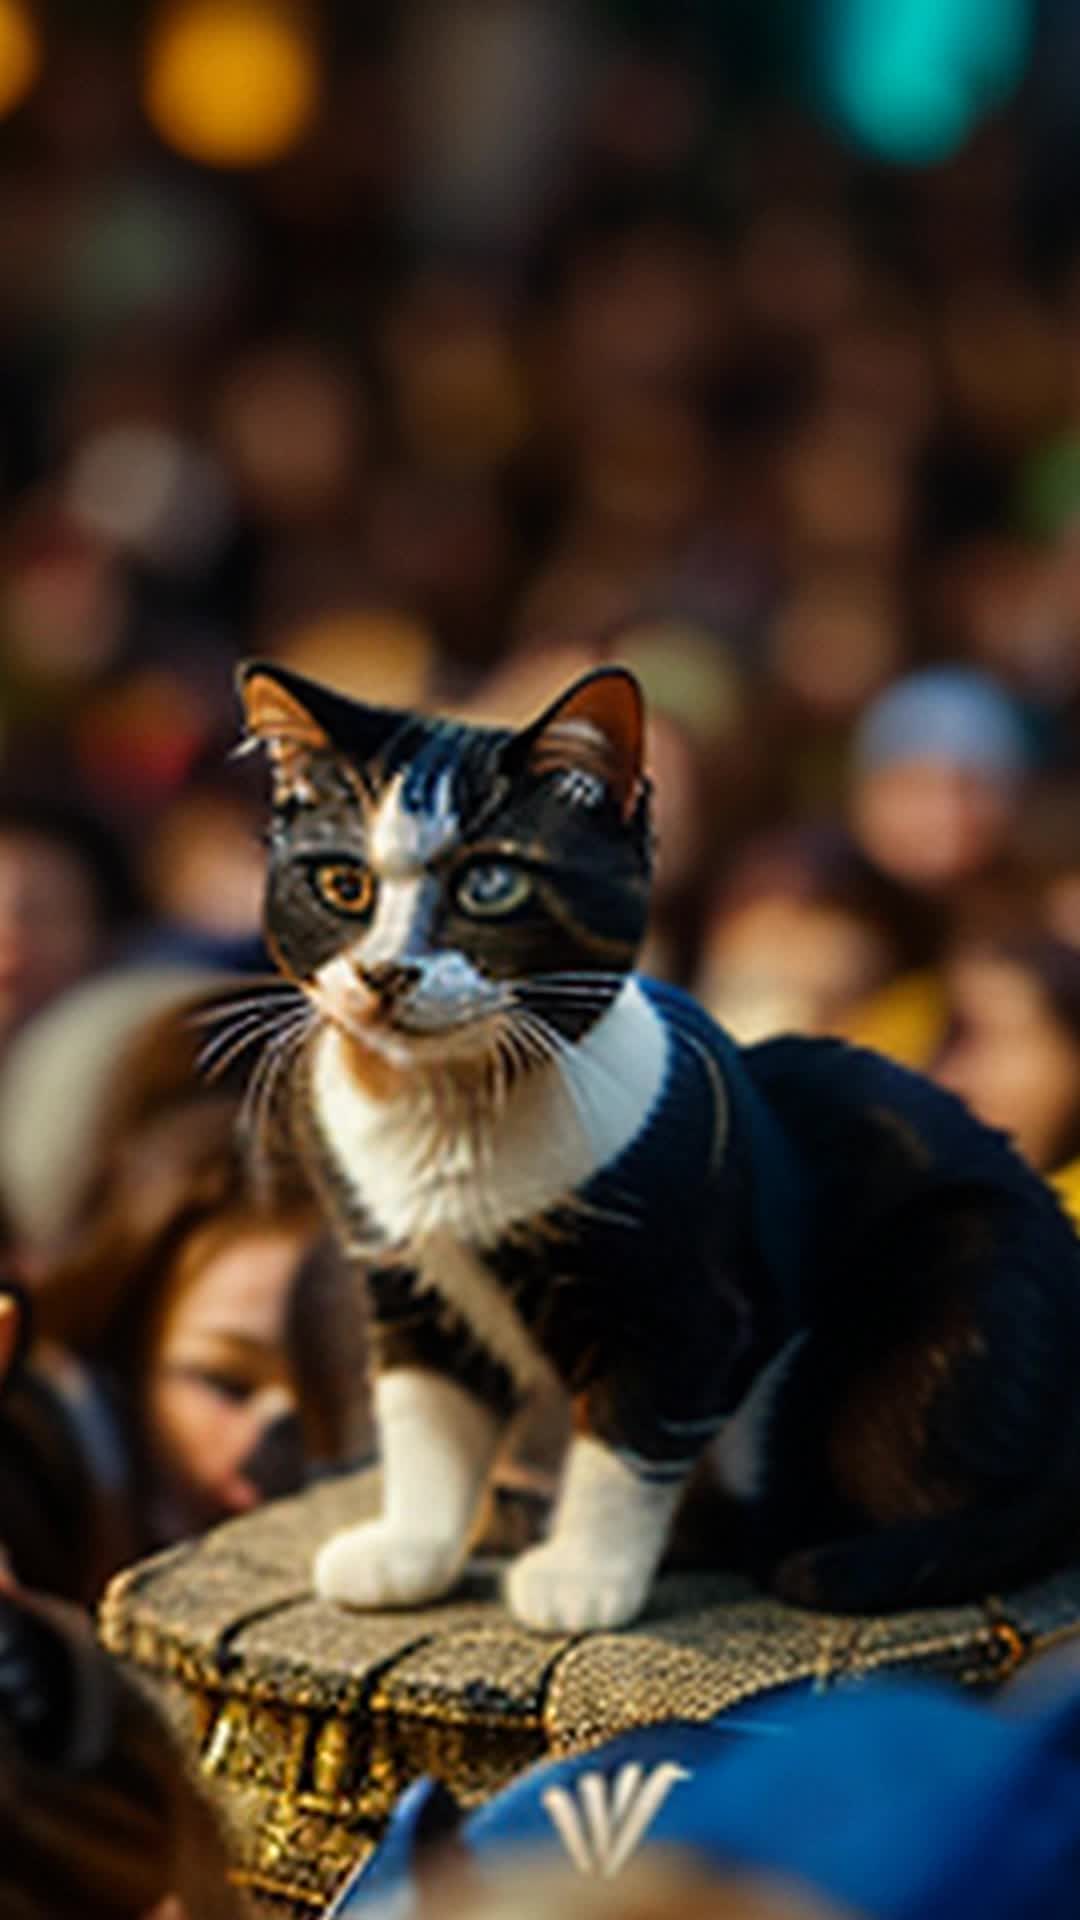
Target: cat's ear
<point x="595" y="728"/>
<point x="294" y="718"/>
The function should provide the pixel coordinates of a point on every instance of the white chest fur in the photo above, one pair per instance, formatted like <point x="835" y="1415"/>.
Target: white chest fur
<point x="422" y="1168"/>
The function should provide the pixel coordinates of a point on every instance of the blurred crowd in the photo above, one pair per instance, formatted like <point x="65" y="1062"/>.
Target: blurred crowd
<point x="545" y="343"/>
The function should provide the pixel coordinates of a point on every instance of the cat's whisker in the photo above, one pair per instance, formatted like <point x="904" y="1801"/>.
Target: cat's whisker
<point x="553" y="988"/>
<point x="222" y="1049"/>
<point x="294" y="1028"/>
<point x="256" y="1110"/>
<point x="542" y="1040"/>
<point x="262" y="1000"/>
<point x="234" y="1021"/>
<point x="560" y="1046"/>
<point x="261" y="1155"/>
<point x="573" y="975"/>
<point x="541" y="983"/>
<point x="573" y="998"/>
<point x="226" y="1019"/>
<point x="505" y="1074"/>
<point x="530" y="1040"/>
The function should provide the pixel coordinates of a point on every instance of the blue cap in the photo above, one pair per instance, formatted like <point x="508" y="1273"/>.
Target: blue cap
<point x="946" y="713"/>
<point x="904" y="1802"/>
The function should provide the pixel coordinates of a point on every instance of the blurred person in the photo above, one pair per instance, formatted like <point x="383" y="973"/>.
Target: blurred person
<point x="694" y="675"/>
<point x="939" y="761"/>
<point x="888" y="1799"/>
<point x="669" y="1888"/>
<point x="648" y="110"/>
<point x="160" y="1394"/>
<point x="137" y="738"/>
<point x="448" y="352"/>
<point x="798" y="273"/>
<point x="522" y="680"/>
<point x="88" y="1066"/>
<point x="66" y="902"/>
<point x="689" y="671"/>
<point x="1011" y="1046"/>
<point x="372" y="653"/>
<point x="632" y="318"/>
<point x="98" y="1812"/>
<point x="1046" y="848"/>
<point x="1002" y="358"/>
<point x="291" y="428"/>
<point x="877" y="366"/>
<point x="441" y="545"/>
<point x="172" y="1299"/>
<point x="64" y="607"/>
<point x="490" y="99"/>
<point x="836" y="640"/>
<point x="641" y="483"/>
<point x="201" y="868"/>
<point x="683" y="845"/>
<point x="802" y="930"/>
<point x="1011" y="606"/>
<point x="573" y="592"/>
<point x="844" y="491"/>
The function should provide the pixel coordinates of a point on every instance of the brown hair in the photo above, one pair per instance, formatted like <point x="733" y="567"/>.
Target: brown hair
<point x="669" y="1886"/>
<point x="176" y="1191"/>
<point x="97" y="1814"/>
<point x="181" y="1171"/>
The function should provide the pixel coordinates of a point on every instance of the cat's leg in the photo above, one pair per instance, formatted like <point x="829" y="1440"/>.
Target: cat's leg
<point x="608" y="1532"/>
<point x="437" y="1443"/>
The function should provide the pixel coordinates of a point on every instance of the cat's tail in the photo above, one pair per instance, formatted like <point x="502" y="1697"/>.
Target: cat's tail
<point x="942" y="1559"/>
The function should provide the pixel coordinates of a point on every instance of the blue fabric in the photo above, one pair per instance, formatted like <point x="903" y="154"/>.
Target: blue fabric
<point x="904" y="1802"/>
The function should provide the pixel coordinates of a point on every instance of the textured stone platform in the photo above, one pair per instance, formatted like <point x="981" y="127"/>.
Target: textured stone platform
<point x="308" y="1721"/>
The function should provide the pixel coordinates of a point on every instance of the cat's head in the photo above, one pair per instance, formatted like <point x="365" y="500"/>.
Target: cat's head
<point x="428" y="879"/>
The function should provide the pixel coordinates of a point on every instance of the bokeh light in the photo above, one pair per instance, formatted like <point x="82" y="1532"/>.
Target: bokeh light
<point x="908" y="78"/>
<point x="231" y="83"/>
<point x="20" y="53"/>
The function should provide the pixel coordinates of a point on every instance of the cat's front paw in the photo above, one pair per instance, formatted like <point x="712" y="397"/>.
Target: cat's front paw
<point x="559" y="1592"/>
<point x="380" y="1565"/>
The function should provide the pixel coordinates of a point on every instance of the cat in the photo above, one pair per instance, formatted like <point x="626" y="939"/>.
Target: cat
<point x="795" y="1265"/>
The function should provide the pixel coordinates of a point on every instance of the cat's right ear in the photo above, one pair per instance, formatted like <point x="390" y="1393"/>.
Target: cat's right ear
<point x="276" y="718"/>
<point x="295" y="718"/>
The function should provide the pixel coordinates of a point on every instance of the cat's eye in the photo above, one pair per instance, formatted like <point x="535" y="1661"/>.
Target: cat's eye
<point x="344" y="886"/>
<point x="492" y="887"/>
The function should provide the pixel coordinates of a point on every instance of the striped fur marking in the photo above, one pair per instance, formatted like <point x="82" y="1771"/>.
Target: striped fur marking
<point x="460" y="1277"/>
<point x="403" y="838"/>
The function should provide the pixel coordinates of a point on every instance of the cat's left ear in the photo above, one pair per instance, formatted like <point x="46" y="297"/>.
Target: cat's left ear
<point x="595" y="728"/>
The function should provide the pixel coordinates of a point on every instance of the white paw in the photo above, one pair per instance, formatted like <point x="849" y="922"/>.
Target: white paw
<point x="550" y="1589"/>
<point x="379" y="1565"/>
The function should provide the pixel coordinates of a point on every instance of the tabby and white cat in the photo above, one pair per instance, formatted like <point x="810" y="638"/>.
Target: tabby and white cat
<point x="796" y="1261"/>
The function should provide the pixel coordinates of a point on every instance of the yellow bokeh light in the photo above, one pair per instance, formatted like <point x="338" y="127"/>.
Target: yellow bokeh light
<point x="231" y="83"/>
<point x="20" y="53"/>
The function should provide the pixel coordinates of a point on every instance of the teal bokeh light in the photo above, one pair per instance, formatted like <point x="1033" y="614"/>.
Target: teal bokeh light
<point x="908" y="78"/>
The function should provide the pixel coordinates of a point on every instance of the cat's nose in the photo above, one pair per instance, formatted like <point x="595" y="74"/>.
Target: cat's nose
<point x="389" y="978"/>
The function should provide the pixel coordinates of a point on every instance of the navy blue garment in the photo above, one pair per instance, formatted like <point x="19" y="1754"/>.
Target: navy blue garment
<point x="700" y="1231"/>
<point x="903" y="1802"/>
